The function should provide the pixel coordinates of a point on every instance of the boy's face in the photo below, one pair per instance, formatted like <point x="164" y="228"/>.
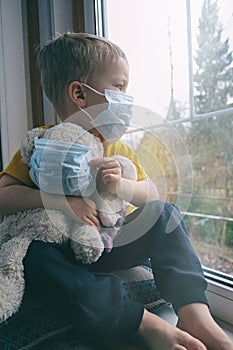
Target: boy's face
<point x="113" y="76"/>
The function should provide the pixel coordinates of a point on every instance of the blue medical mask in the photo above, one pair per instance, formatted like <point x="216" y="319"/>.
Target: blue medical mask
<point x="113" y="122"/>
<point x="62" y="168"/>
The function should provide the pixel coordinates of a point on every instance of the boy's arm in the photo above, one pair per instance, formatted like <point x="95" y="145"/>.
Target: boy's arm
<point x="15" y="196"/>
<point x="136" y="192"/>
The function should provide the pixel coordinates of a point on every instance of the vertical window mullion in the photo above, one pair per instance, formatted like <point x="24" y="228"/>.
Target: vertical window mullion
<point x="46" y="31"/>
<point x="89" y="16"/>
<point x="0" y="151"/>
<point x="33" y="42"/>
<point x="190" y="59"/>
<point x="100" y="17"/>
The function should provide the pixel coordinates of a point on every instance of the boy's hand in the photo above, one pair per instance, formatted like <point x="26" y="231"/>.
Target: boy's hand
<point x="83" y="209"/>
<point x="110" y="172"/>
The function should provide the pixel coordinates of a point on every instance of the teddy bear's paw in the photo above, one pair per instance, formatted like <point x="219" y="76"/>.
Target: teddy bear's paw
<point x="109" y="219"/>
<point x="86" y="254"/>
<point x="87" y="244"/>
<point x="109" y="209"/>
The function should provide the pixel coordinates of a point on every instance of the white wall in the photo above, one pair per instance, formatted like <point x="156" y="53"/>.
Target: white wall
<point x="13" y="104"/>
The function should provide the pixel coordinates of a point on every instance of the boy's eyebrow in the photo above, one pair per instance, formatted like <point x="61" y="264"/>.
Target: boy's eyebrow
<point x="120" y="77"/>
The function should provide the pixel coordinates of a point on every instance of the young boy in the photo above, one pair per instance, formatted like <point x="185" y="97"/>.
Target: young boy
<point x="77" y="70"/>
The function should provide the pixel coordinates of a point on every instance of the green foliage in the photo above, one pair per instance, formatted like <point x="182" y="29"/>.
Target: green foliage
<point x="213" y="82"/>
<point x="205" y="229"/>
<point x="214" y="76"/>
<point x="210" y="140"/>
<point x="229" y="234"/>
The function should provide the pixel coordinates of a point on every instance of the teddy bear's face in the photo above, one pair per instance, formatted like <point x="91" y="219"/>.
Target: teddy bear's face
<point x="67" y="132"/>
<point x="74" y="133"/>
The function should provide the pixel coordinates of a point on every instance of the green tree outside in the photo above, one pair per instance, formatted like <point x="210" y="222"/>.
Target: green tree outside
<point x="213" y="80"/>
<point x="210" y="140"/>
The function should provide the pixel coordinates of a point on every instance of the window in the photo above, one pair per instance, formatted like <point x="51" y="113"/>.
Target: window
<point x="181" y="75"/>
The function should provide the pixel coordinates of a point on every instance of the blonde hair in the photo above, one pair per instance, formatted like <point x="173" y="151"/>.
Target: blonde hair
<point x="73" y="56"/>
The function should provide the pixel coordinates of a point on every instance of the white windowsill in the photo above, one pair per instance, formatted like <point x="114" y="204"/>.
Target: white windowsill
<point x="220" y="298"/>
<point x="168" y="314"/>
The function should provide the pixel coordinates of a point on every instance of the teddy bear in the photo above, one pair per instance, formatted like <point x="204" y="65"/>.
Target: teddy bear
<point x="18" y="230"/>
<point x="87" y="242"/>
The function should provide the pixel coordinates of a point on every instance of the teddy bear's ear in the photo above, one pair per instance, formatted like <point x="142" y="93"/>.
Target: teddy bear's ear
<point x="27" y="143"/>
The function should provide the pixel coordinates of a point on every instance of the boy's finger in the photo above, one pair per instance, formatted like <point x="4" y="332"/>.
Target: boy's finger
<point x="103" y="161"/>
<point x="110" y="172"/>
<point x="111" y="165"/>
<point x="96" y="161"/>
<point x="95" y="222"/>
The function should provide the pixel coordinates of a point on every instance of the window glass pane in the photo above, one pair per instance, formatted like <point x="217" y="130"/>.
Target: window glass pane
<point x="153" y="35"/>
<point x="155" y="42"/>
<point x="212" y="28"/>
<point x="210" y="144"/>
<point x="210" y="140"/>
<point x="191" y="163"/>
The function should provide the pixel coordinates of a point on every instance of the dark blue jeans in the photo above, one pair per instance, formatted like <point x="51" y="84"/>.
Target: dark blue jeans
<point x="95" y="301"/>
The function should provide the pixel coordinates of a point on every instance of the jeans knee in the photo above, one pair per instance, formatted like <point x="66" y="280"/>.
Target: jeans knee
<point x="167" y="215"/>
<point x="163" y="207"/>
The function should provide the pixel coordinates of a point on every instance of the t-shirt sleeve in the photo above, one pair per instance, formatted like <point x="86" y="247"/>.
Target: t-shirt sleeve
<point x="120" y="148"/>
<point x="18" y="169"/>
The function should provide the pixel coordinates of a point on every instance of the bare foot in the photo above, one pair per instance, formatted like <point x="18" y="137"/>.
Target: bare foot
<point x="197" y="321"/>
<point x="159" y="334"/>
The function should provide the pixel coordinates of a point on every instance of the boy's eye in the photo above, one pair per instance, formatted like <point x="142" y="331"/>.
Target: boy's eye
<point x="119" y="86"/>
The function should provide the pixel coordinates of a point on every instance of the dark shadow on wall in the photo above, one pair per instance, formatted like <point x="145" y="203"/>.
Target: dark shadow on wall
<point x="0" y="152"/>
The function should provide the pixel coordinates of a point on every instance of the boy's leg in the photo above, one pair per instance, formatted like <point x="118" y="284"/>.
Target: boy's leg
<point x="177" y="270"/>
<point x="95" y="303"/>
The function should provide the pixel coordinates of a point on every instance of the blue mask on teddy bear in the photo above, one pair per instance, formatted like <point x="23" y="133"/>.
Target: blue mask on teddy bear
<point x="62" y="168"/>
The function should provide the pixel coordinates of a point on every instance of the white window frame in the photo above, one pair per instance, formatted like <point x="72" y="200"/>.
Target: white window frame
<point x="220" y="294"/>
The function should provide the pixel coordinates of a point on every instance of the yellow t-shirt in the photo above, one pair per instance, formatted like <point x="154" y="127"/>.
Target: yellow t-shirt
<point x="20" y="171"/>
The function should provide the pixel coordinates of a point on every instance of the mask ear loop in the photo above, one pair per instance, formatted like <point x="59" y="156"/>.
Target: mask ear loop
<point x="94" y="90"/>
<point x="85" y="112"/>
<point x="97" y="92"/>
<point x="90" y="117"/>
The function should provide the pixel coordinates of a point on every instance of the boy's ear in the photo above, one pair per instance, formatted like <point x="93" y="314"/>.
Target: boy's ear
<point x="77" y="94"/>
